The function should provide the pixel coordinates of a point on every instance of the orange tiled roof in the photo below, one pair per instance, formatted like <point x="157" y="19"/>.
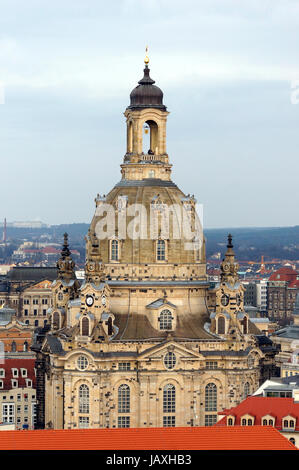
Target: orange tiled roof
<point x="197" y="438"/>
<point x="259" y="406"/>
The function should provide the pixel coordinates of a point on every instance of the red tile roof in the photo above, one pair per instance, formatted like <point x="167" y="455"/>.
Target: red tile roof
<point x="198" y="438"/>
<point x="10" y="364"/>
<point x="258" y="406"/>
<point x="284" y="274"/>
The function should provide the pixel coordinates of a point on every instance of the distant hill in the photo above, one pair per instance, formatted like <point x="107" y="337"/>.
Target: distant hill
<point x="249" y="243"/>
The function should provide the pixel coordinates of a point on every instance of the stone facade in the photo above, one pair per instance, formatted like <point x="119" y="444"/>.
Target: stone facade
<point x="138" y="343"/>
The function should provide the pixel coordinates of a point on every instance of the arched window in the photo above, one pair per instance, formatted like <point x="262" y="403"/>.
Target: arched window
<point x="285" y="423"/>
<point x="292" y="424"/>
<point x="56" y="321"/>
<point x="114" y="250"/>
<point x="244" y="422"/>
<point x="83" y="399"/>
<point x="161" y="252"/>
<point x="221" y="325"/>
<point x="169" y="399"/>
<point x="250" y="422"/>
<point x="13" y="346"/>
<point x="165" y="320"/>
<point x="246" y="390"/>
<point x="230" y="421"/>
<point x="85" y="326"/>
<point x="211" y="397"/>
<point x="245" y="326"/>
<point x="124" y="398"/>
<point x="265" y="422"/>
<point x="110" y="327"/>
<point x="25" y="346"/>
<point x="271" y="422"/>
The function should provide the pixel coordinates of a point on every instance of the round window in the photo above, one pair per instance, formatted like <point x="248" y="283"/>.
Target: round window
<point x="170" y="360"/>
<point x="82" y="362"/>
<point x="225" y="300"/>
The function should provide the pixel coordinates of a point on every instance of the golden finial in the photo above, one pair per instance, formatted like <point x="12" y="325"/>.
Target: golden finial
<point x="146" y="59"/>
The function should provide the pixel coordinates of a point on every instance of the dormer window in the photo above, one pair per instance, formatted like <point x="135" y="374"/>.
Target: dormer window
<point x="165" y="320"/>
<point x="288" y="423"/>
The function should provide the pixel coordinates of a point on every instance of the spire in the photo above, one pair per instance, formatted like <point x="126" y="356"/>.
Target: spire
<point x="229" y="241"/>
<point x="65" y="252"/>
<point x="229" y="267"/>
<point x="65" y="264"/>
<point x="146" y="59"/>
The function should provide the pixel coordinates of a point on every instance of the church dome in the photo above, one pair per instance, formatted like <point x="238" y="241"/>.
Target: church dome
<point x="146" y="94"/>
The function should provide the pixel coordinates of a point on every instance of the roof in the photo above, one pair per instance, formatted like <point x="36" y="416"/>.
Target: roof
<point x="10" y="364"/>
<point x="32" y="274"/>
<point x="258" y="407"/>
<point x="284" y="274"/>
<point x="193" y="438"/>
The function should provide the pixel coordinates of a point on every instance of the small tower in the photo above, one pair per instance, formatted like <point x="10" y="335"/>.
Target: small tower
<point x="146" y="114"/>
<point x="229" y="317"/>
<point x="64" y="288"/>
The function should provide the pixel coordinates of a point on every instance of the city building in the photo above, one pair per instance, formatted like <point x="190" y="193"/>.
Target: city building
<point x="281" y="413"/>
<point x="283" y="286"/>
<point x="145" y="340"/>
<point x="18" y="393"/>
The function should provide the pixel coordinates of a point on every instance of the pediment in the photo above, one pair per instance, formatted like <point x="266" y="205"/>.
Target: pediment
<point x="157" y="351"/>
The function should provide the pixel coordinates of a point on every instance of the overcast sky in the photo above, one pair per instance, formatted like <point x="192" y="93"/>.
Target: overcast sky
<point x="225" y="66"/>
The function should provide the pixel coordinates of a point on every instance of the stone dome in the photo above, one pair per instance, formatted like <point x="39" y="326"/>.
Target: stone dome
<point x="181" y="263"/>
<point x="146" y="94"/>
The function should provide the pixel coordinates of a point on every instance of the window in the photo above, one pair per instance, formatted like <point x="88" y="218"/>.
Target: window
<point x="161" y="256"/>
<point x="28" y="383"/>
<point x="265" y="422"/>
<point x="13" y="346"/>
<point x="2" y="372"/>
<point x="25" y="348"/>
<point x="165" y="320"/>
<point x="244" y="422"/>
<point x="85" y="326"/>
<point x="60" y="296"/>
<point x="250" y="361"/>
<point x="211" y="397"/>
<point x="210" y="420"/>
<point x="230" y="422"/>
<point x="170" y="360"/>
<point x="169" y="399"/>
<point x="83" y="422"/>
<point x="36" y="323"/>
<point x="292" y="440"/>
<point x="26" y="312"/>
<point x="124" y="366"/>
<point x="15" y="372"/>
<point x="123" y="421"/>
<point x="271" y="422"/>
<point x="124" y="399"/>
<point x="8" y="413"/>
<point x="35" y="301"/>
<point x="26" y="301"/>
<point x="44" y="312"/>
<point x="250" y="422"/>
<point x="221" y="325"/>
<point x="211" y="365"/>
<point x="168" y="421"/>
<point x="82" y="362"/>
<point x="1" y="383"/>
<point x="14" y="383"/>
<point x="56" y="320"/>
<point x="44" y="301"/>
<point x="246" y="390"/>
<point x="114" y="250"/>
<point x="83" y="399"/>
